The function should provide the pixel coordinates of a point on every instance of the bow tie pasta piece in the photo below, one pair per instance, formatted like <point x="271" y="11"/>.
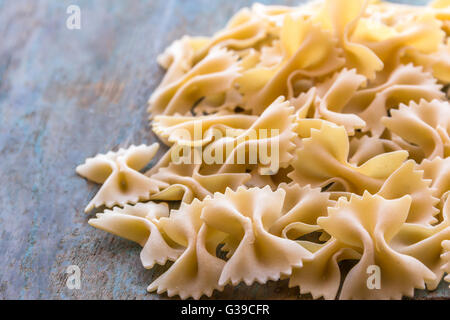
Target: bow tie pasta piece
<point x="119" y="173"/>
<point x="320" y="274"/>
<point x="220" y="104"/>
<point x="438" y="170"/>
<point x="426" y="124"/>
<point x="301" y="208"/>
<point x="420" y="33"/>
<point x="271" y="55"/>
<point x="405" y="84"/>
<point x="195" y="131"/>
<point x="267" y="144"/>
<point x="303" y="103"/>
<point x="446" y="257"/>
<point x="364" y="148"/>
<point x="323" y="159"/>
<point x="315" y="55"/>
<point x="441" y="8"/>
<point x="392" y="14"/>
<point x="186" y="183"/>
<point x="369" y="223"/>
<point x="408" y="180"/>
<point x="304" y="126"/>
<point x="273" y="181"/>
<point x="438" y="63"/>
<point x="243" y="31"/>
<point x="339" y="90"/>
<point x="424" y="243"/>
<point x="196" y="272"/>
<point x="343" y="20"/>
<point x="138" y="223"/>
<point x="213" y="75"/>
<point x="178" y="58"/>
<point x="245" y="216"/>
<point x="273" y="14"/>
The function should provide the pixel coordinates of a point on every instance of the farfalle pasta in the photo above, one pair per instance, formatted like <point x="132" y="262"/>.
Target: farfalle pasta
<point x="368" y="225"/>
<point x="426" y="125"/>
<point x="246" y="220"/>
<point x="323" y="159"/>
<point x="197" y="271"/>
<point x="298" y="139"/>
<point x="334" y="94"/>
<point x="138" y="223"/>
<point x="438" y="171"/>
<point x="407" y="179"/>
<point x="423" y="242"/>
<point x="315" y="55"/>
<point x="211" y="76"/>
<point x="118" y="172"/>
<point x="186" y="183"/>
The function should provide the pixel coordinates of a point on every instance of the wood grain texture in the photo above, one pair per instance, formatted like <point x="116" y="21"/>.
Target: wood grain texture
<point x="66" y="95"/>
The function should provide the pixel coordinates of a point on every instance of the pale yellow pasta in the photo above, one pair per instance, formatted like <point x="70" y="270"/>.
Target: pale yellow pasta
<point x="368" y="224"/>
<point x="405" y="84"/>
<point x="186" y="183"/>
<point x="303" y="102"/>
<point x="426" y="124"/>
<point x="438" y="171"/>
<point x="320" y="275"/>
<point x="230" y="140"/>
<point x="219" y="104"/>
<point x="363" y="148"/>
<point x="424" y="243"/>
<point x="118" y="172"/>
<point x="408" y="180"/>
<point x="437" y="62"/>
<point x="343" y="21"/>
<point x="139" y="224"/>
<point x="212" y="75"/>
<point x="177" y="59"/>
<point x="323" y="159"/>
<point x="171" y="129"/>
<point x="273" y="181"/>
<point x="272" y="131"/>
<point x="242" y="221"/>
<point x="301" y="208"/>
<point x="298" y="138"/>
<point x="316" y="55"/>
<point x="401" y="40"/>
<point x="242" y="31"/>
<point x="335" y="94"/>
<point x="259" y="255"/>
<point x="197" y="270"/>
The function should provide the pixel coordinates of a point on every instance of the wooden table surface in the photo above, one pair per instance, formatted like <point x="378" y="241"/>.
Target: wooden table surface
<point x="66" y="95"/>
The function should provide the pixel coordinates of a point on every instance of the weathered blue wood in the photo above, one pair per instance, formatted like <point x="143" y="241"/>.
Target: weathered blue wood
<point x="66" y="95"/>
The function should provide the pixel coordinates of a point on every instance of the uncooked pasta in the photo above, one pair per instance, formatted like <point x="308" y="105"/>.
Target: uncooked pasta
<point x="297" y="138"/>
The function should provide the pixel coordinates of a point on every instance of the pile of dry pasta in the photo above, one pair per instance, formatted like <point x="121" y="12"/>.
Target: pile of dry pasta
<point x="349" y="99"/>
